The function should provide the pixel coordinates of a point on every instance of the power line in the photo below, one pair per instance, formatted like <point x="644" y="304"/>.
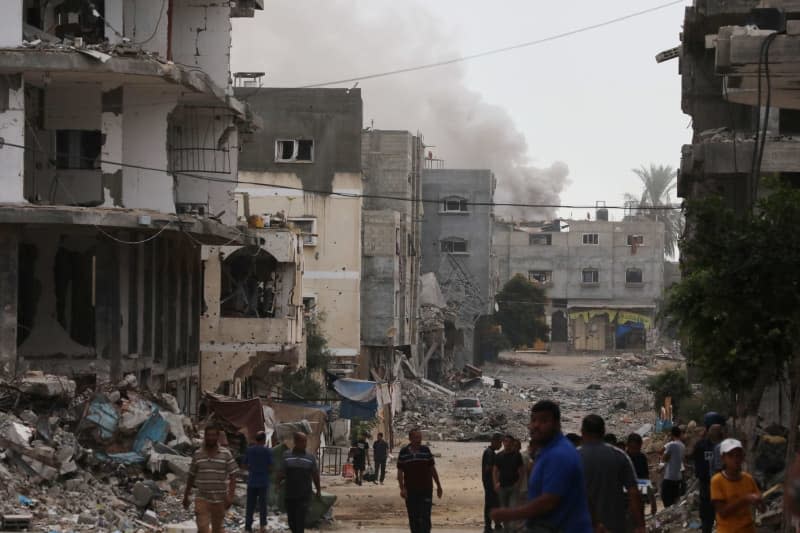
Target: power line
<point x="461" y="59"/>
<point x="357" y="195"/>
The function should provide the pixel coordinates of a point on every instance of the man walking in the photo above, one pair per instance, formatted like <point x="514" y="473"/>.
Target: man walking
<point x="416" y="472"/>
<point x="609" y="474"/>
<point x="299" y="471"/>
<point x="258" y="462"/>
<point x="703" y="457"/>
<point x="380" y="452"/>
<point x="359" y="453"/>
<point x="674" y="453"/>
<point x="508" y="470"/>
<point x="490" y="500"/>
<point x="212" y="471"/>
<point x="557" y="489"/>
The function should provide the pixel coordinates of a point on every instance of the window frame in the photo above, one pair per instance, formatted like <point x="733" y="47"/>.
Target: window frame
<point x="454" y="240"/>
<point x="596" y="239"/>
<point x="547" y="282"/>
<point x="635" y="235"/>
<point x="596" y="276"/>
<point x="548" y="238"/>
<point x="309" y="239"/>
<point x="630" y="283"/>
<point x="295" y="150"/>
<point x="71" y="149"/>
<point x="461" y="201"/>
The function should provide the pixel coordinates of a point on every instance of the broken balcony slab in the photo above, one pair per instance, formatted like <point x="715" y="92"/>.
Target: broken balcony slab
<point x="120" y="218"/>
<point x="717" y="8"/>
<point x="727" y="157"/>
<point x="72" y="63"/>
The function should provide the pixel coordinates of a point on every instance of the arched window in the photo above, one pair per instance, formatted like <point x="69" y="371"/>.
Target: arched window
<point x="453" y="245"/>
<point x="454" y="204"/>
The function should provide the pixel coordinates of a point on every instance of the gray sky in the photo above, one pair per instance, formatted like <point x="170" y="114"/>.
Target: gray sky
<point x="597" y="101"/>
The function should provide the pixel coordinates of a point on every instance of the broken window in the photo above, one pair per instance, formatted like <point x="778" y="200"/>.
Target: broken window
<point x="453" y="245"/>
<point x="543" y="277"/>
<point x="199" y="140"/>
<point x="540" y="239"/>
<point x="635" y="240"/>
<point x="591" y="238"/>
<point x="308" y="229"/>
<point x="633" y="275"/>
<point x="249" y="284"/>
<point x="78" y="149"/>
<point x="590" y="276"/>
<point x="454" y="204"/>
<point x="70" y="19"/>
<point x="309" y="305"/>
<point x="294" y="151"/>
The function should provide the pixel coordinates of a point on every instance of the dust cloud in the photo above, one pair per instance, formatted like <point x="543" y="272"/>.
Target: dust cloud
<point x="304" y="42"/>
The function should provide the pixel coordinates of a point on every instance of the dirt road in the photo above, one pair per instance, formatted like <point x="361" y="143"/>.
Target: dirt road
<point x="380" y="508"/>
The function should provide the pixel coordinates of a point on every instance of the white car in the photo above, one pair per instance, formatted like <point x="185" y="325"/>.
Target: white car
<point x="467" y="408"/>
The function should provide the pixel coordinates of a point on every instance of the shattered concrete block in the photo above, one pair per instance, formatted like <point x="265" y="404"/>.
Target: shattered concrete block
<point x="44" y="471"/>
<point x="47" y="386"/>
<point x="142" y="495"/>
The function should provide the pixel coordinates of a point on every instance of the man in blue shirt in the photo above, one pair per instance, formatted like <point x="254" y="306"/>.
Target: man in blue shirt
<point x="257" y="461"/>
<point x="557" y="500"/>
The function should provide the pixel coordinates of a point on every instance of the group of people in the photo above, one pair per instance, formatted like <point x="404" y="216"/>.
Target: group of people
<point x="359" y="457"/>
<point x="214" y="472"/>
<point x="585" y="484"/>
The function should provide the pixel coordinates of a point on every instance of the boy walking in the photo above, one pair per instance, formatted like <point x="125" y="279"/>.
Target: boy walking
<point x="734" y="493"/>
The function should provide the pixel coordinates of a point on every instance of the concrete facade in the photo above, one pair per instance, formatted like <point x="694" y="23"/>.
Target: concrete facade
<point x="598" y="276"/>
<point x="304" y="166"/>
<point x="392" y="163"/>
<point x="111" y="224"/>
<point x="457" y="247"/>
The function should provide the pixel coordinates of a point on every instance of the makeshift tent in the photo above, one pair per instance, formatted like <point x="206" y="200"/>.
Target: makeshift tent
<point x="287" y="413"/>
<point x="246" y="416"/>
<point x="360" y="398"/>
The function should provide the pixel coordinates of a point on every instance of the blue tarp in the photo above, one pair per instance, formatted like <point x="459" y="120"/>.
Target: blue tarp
<point x="154" y="430"/>
<point x="103" y="415"/>
<point x="356" y="390"/>
<point x="360" y="410"/>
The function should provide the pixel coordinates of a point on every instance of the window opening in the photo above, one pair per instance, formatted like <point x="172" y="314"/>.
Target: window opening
<point x="591" y="238"/>
<point x="540" y="239"/>
<point x="633" y="275"/>
<point x="454" y="205"/>
<point x="454" y="246"/>
<point x="249" y="284"/>
<point x="294" y="151"/>
<point x="78" y="149"/>
<point x="541" y="276"/>
<point x="199" y="139"/>
<point x="591" y="275"/>
<point x="635" y="240"/>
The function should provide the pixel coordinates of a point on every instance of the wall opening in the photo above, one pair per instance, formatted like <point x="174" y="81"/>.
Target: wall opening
<point x="249" y="284"/>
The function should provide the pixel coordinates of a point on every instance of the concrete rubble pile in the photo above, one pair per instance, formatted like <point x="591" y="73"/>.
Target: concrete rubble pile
<point x="111" y="460"/>
<point x="615" y="390"/>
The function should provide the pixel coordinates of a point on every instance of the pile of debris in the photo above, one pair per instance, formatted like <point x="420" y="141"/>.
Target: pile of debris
<point x="115" y="459"/>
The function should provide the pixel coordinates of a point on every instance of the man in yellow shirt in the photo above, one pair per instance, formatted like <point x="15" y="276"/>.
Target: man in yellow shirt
<point x="734" y="493"/>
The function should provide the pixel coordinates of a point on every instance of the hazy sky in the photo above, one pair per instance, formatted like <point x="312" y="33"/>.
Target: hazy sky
<point x="596" y="101"/>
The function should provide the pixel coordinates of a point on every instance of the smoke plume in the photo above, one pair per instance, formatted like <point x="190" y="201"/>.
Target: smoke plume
<point x="301" y="42"/>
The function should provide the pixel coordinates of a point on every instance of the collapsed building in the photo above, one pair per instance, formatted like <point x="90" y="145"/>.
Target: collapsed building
<point x="118" y="163"/>
<point x="457" y="247"/>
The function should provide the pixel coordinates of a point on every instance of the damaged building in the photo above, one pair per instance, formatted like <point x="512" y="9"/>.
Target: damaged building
<point x="740" y="67"/>
<point x="457" y="247"/>
<point x="602" y="278"/>
<point x="390" y="276"/>
<point x="304" y="168"/>
<point x="118" y="161"/>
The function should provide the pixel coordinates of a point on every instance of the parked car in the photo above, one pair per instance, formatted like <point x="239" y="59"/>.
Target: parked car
<point x="467" y="408"/>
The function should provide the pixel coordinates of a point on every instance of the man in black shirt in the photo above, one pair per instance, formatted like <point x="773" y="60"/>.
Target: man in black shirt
<point x="380" y="451"/>
<point x="508" y="470"/>
<point x="487" y="474"/>
<point x="641" y="467"/>
<point x="297" y="474"/>
<point x="359" y="453"/>
<point x="703" y="457"/>
<point x="416" y="473"/>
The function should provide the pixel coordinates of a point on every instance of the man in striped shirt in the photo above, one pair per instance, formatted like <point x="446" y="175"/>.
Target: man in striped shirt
<point x="213" y="472"/>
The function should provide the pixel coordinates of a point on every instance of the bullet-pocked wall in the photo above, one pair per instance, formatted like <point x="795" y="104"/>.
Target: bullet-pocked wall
<point x="311" y="141"/>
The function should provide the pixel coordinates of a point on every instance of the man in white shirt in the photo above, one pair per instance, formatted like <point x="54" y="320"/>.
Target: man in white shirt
<point x="674" y="453"/>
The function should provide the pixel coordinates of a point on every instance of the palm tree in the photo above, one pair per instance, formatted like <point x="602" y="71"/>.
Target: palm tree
<point x="658" y="182"/>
